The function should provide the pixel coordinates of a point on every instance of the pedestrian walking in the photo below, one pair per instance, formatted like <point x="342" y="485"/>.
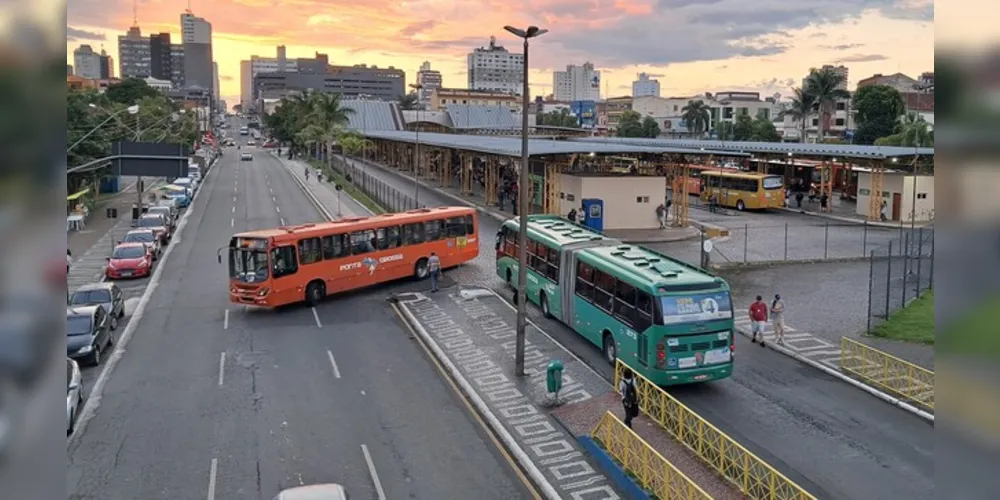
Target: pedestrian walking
<point x="581" y="216"/>
<point x="434" y="266"/>
<point x="758" y="318"/>
<point x="778" y="318"/>
<point x="571" y="215"/>
<point x="661" y="215"/>
<point x="630" y="397"/>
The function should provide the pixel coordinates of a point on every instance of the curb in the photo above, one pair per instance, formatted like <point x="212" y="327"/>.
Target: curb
<point x="613" y="470"/>
<point x="522" y="458"/>
<point x="837" y="374"/>
<point x="312" y="198"/>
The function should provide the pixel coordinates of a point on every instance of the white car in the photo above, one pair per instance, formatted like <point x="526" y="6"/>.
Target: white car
<point x="251" y="142"/>
<point x="187" y="182"/>
<point x="74" y="394"/>
<point x="246" y="157"/>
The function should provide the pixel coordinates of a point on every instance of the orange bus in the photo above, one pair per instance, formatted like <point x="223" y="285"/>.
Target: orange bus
<point x="289" y="264"/>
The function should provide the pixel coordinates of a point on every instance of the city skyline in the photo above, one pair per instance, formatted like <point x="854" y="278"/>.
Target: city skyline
<point x="695" y="49"/>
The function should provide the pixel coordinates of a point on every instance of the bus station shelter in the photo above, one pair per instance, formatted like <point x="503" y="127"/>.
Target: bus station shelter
<point x="488" y="160"/>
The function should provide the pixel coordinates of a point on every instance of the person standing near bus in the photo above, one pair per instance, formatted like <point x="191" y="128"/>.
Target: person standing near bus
<point x="758" y="318"/>
<point x="778" y="318"/>
<point x="434" y="266"/>
<point x="630" y="397"/>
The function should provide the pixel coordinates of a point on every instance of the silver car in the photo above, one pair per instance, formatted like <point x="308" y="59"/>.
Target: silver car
<point x="74" y="394"/>
<point x="147" y="237"/>
<point x="329" y="491"/>
<point x="104" y="294"/>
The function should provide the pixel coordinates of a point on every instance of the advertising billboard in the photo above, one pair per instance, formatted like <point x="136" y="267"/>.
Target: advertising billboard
<point x="585" y="113"/>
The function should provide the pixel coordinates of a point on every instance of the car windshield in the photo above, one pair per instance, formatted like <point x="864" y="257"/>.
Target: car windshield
<point x="86" y="297"/>
<point x="128" y="253"/>
<point x="160" y="210"/>
<point x="78" y="325"/>
<point x="694" y="308"/>
<point x="141" y="237"/>
<point x="248" y="266"/>
<point x="150" y="222"/>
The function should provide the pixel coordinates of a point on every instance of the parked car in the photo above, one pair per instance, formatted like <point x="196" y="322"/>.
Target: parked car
<point x="88" y="333"/>
<point x="187" y="182"/>
<point x="104" y="294"/>
<point x="129" y="260"/>
<point x="169" y="215"/>
<point x="251" y="142"/>
<point x="74" y="394"/>
<point x="246" y="157"/>
<point x="144" y="236"/>
<point x="181" y="195"/>
<point x="157" y="224"/>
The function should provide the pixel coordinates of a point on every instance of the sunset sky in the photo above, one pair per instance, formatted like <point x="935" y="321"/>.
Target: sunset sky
<point x="691" y="46"/>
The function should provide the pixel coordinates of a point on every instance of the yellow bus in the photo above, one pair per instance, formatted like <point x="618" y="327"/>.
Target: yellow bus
<point x="743" y="190"/>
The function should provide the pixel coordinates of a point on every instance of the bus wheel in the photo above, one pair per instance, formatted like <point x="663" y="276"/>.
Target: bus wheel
<point x="420" y="270"/>
<point x="610" y="350"/>
<point x="315" y="293"/>
<point x="510" y="278"/>
<point x="740" y="205"/>
<point x="545" y="305"/>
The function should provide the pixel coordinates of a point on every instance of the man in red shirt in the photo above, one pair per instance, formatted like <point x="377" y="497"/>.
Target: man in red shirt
<point x="758" y="317"/>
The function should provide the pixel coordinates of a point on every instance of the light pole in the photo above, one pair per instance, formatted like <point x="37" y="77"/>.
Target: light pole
<point x="522" y="198"/>
<point x="416" y="153"/>
<point x="132" y="110"/>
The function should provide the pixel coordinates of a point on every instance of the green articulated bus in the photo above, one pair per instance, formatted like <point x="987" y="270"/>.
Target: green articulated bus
<point x="670" y="321"/>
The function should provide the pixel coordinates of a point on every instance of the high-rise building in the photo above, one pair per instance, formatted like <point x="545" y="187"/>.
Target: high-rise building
<point x="69" y="70"/>
<point x="379" y="83"/>
<point x="160" y="64"/>
<point x="196" y="35"/>
<point x="215" y="80"/>
<point x="249" y="69"/>
<point x="107" y="65"/>
<point x="577" y="83"/>
<point x="133" y="54"/>
<point x="645" y="86"/>
<point x="428" y="79"/>
<point x="495" y="69"/>
<point x="177" y="65"/>
<point x="87" y="62"/>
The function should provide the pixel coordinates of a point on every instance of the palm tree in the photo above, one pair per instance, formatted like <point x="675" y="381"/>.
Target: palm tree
<point x="826" y="87"/>
<point x="914" y="131"/>
<point x="327" y="119"/>
<point x="409" y="101"/>
<point x="696" y="117"/>
<point x="802" y="108"/>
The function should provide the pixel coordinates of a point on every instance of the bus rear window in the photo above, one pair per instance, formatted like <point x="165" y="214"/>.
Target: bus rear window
<point x="773" y="182"/>
<point x="696" y="308"/>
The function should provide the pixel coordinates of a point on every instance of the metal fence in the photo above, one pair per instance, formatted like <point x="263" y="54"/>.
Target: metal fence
<point x="385" y="195"/>
<point x="827" y="240"/>
<point x="888" y="372"/>
<point x="898" y="274"/>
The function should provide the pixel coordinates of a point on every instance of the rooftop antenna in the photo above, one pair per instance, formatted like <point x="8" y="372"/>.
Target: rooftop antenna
<point x="135" y="12"/>
<point x="188" y="10"/>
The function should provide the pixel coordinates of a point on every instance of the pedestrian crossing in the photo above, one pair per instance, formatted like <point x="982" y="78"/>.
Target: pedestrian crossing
<point x="801" y="343"/>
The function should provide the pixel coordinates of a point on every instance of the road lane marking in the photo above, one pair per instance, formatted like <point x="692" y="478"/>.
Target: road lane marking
<point x="211" y="478"/>
<point x="277" y="208"/>
<point x="234" y="199"/>
<point x="234" y="209"/>
<point x="225" y="320"/>
<point x="282" y="221"/>
<point x="232" y="222"/>
<point x="333" y="362"/>
<point x="371" y="470"/>
<point x="316" y="317"/>
<point x="222" y="368"/>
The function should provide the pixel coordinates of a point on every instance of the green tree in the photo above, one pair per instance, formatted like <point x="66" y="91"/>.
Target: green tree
<point x="630" y="125"/>
<point x="802" y="108"/>
<point x="912" y="131"/>
<point x="878" y="109"/>
<point x="650" y="128"/>
<point x="129" y="91"/>
<point x="409" y="101"/>
<point x="764" y="131"/>
<point x="743" y="128"/>
<point x="559" y="118"/>
<point x="696" y="117"/>
<point x="725" y="131"/>
<point x="825" y="85"/>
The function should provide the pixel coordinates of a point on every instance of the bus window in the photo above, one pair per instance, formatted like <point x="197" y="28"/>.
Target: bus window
<point x="455" y="227"/>
<point x="552" y="264"/>
<point x="470" y="225"/>
<point x="432" y="230"/>
<point x="391" y="237"/>
<point x="773" y="182"/>
<point x="625" y="302"/>
<point x="643" y="310"/>
<point x="309" y="251"/>
<point x="604" y="290"/>
<point x="585" y="281"/>
<point x="336" y="246"/>
<point x="284" y="261"/>
<point x="362" y="242"/>
<point x="413" y="234"/>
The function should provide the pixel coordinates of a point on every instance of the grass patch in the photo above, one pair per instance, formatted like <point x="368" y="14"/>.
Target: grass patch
<point x="914" y="323"/>
<point x="349" y="188"/>
<point x="974" y="334"/>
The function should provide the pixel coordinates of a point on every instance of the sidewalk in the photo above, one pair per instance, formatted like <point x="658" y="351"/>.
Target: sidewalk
<point x="844" y="211"/>
<point x="338" y="203"/>
<point x="478" y="201"/>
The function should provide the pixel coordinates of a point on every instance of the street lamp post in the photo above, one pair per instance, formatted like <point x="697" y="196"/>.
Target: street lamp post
<point x="522" y="195"/>
<point x="416" y="154"/>
<point x="133" y="110"/>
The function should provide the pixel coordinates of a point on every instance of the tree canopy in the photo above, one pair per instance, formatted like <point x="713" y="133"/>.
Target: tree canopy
<point x="745" y="128"/>
<point x="632" y="124"/>
<point x="878" y="108"/>
<point x="558" y="118"/>
<point x="310" y="119"/>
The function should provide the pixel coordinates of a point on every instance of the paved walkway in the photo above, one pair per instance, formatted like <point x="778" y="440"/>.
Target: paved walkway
<point x="844" y="211"/>
<point x="97" y="224"/>
<point x="472" y="333"/>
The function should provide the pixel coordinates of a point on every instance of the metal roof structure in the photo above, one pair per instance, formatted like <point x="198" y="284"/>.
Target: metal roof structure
<point x="371" y="115"/>
<point x="853" y="151"/>
<point x="511" y="146"/>
<point x="470" y="116"/>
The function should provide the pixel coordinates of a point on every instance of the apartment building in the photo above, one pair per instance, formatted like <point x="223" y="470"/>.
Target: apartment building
<point x="441" y="98"/>
<point x="577" y="83"/>
<point x="494" y="69"/>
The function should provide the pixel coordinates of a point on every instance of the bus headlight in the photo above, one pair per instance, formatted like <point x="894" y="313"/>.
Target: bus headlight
<point x="263" y="291"/>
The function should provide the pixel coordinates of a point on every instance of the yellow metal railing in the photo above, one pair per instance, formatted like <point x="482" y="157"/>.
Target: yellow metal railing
<point x="888" y="372"/>
<point x="655" y="473"/>
<point x="754" y="477"/>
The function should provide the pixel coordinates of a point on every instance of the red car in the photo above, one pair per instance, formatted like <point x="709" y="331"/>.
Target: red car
<point x="129" y="260"/>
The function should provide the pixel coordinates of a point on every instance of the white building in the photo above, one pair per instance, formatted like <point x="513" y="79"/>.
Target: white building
<point x="629" y="202"/>
<point x="195" y="29"/>
<point x="86" y="62"/>
<point x="196" y="35"/>
<point x="495" y="69"/>
<point x="577" y="83"/>
<point x="897" y="192"/>
<point x="158" y="84"/>
<point x="215" y="80"/>
<point x="645" y="86"/>
<point x="134" y="56"/>
<point x="428" y="79"/>
<point x="255" y="66"/>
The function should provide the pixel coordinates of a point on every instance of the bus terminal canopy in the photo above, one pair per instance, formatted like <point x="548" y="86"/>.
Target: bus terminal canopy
<point x="826" y="151"/>
<point x="511" y="146"/>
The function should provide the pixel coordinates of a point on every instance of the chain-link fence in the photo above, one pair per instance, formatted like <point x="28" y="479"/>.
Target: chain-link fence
<point x="385" y="195"/>
<point x="827" y="240"/>
<point x="899" y="273"/>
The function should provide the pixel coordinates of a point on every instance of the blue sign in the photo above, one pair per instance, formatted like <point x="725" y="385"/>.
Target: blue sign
<point x="585" y="113"/>
<point x="695" y="308"/>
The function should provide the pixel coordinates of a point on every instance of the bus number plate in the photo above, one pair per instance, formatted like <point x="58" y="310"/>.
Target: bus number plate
<point x="700" y="377"/>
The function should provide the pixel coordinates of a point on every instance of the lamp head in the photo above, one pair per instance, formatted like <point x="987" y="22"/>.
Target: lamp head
<point x="133" y="109"/>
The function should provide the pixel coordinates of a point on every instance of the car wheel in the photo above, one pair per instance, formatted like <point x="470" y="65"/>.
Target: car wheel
<point x="121" y="314"/>
<point x="114" y="322"/>
<point x="95" y="358"/>
<point x="111" y="339"/>
<point x="72" y="421"/>
<point x="510" y="279"/>
<point x="610" y="350"/>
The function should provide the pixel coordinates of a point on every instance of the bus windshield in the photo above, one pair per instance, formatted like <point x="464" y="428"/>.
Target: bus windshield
<point x="696" y="307"/>
<point x="773" y="182"/>
<point x="248" y="266"/>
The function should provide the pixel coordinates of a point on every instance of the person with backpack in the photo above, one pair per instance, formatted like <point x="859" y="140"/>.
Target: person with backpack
<point x="630" y="397"/>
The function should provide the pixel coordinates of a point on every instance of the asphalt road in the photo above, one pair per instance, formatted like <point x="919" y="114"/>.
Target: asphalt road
<point x="830" y="438"/>
<point x="249" y="402"/>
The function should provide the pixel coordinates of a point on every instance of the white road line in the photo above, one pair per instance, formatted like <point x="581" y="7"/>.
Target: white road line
<point x="371" y="470"/>
<point x="232" y="222"/>
<point x="316" y="317"/>
<point x="333" y="363"/>
<point x="278" y="209"/>
<point x="274" y="199"/>
<point x="234" y="199"/>
<point x="271" y="190"/>
<point x="225" y="320"/>
<point x="234" y="209"/>
<point x="211" y="478"/>
<point x="222" y="368"/>
<point x="282" y="221"/>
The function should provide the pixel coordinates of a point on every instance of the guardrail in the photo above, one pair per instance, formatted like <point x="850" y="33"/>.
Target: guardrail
<point x="655" y="473"/>
<point x="754" y="477"/>
<point x="887" y="372"/>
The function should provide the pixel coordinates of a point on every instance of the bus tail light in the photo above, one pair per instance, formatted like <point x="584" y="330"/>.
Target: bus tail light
<point x="661" y="355"/>
<point x="732" y="343"/>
